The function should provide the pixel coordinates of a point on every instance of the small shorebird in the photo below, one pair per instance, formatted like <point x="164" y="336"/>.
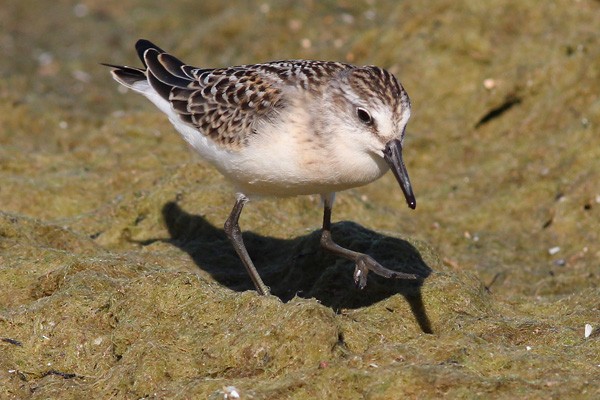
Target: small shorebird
<point x="284" y="128"/>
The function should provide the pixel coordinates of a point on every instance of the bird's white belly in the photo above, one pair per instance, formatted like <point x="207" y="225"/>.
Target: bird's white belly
<point x="286" y="167"/>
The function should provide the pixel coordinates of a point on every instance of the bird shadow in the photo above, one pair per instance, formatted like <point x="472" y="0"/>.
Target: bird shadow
<point x="299" y="266"/>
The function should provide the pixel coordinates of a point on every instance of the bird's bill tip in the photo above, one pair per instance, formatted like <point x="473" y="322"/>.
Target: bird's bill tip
<point x="393" y="156"/>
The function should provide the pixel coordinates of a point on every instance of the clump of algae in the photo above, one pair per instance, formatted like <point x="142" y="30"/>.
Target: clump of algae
<point x="109" y="323"/>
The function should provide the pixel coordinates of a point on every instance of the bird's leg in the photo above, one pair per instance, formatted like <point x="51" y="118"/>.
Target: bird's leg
<point x="364" y="263"/>
<point x="232" y="229"/>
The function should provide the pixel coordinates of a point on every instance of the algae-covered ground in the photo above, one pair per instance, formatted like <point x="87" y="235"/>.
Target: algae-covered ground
<point x="117" y="280"/>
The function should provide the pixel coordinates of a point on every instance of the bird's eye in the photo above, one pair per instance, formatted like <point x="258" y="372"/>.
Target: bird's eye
<point x="364" y="116"/>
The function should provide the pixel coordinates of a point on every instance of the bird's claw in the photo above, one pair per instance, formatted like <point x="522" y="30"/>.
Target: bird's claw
<point x="366" y="263"/>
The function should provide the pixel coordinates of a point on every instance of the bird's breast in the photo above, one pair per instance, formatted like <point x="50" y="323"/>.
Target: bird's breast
<point x="292" y="162"/>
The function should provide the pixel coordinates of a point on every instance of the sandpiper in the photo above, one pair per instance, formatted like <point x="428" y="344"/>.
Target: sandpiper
<point x="284" y="128"/>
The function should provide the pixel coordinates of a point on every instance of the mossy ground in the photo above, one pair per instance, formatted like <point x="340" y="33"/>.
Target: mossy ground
<point x="117" y="281"/>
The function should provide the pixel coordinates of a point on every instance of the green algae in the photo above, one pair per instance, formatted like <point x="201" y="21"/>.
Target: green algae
<point x="116" y="279"/>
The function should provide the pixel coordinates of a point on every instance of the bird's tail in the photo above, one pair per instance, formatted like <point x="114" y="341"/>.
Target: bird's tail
<point x="161" y="71"/>
<point x="127" y="76"/>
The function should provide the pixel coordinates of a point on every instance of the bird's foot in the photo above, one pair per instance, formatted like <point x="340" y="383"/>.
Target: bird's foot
<point x="366" y="263"/>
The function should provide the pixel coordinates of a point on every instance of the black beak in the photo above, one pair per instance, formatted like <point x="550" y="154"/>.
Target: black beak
<point x="393" y="156"/>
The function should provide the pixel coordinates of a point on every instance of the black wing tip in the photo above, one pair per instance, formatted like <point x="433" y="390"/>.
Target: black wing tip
<point x="143" y="45"/>
<point x="173" y="65"/>
<point x="164" y="69"/>
<point x="161" y="70"/>
<point x="146" y="44"/>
